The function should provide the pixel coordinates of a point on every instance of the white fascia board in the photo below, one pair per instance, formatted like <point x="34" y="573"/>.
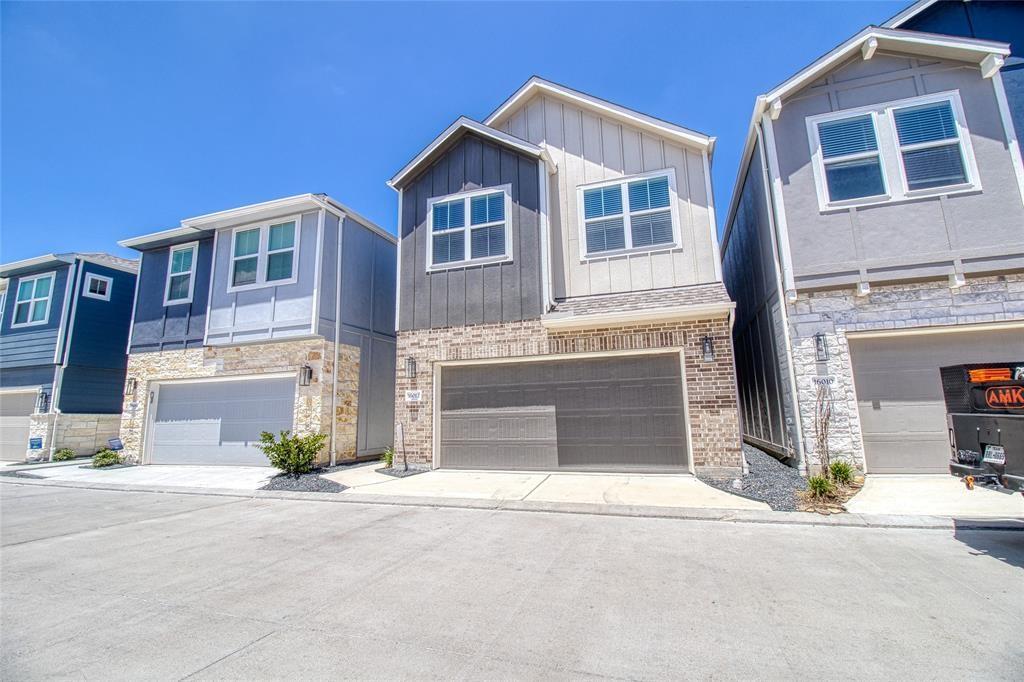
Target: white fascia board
<point x="139" y="243"/>
<point x="460" y="124"/>
<point x="684" y="312"/>
<point x="36" y="262"/>
<point x="650" y="123"/>
<point x="343" y="211"/>
<point x="253" y="212"/>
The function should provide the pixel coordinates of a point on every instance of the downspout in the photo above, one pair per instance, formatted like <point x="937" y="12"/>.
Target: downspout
<point x="797" y="421"/>
<point x="337" y="343"/>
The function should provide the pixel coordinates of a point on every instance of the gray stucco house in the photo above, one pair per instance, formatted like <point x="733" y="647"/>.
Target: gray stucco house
<point x="64" y="322"/>
<point x="876" y="233"/>
<point x="561" y="303"/>
<point x="268" y="317"/>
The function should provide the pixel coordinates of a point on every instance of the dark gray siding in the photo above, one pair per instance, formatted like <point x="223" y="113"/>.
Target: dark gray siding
<point x="749" y="270"/>
<point x="36" y="345"/>
<point x="40" y="375"/>
<point x="159" y="327"/>
<point x="498" y="292"/>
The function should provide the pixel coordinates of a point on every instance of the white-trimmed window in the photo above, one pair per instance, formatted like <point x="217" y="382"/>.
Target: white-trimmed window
<point x="636" y="213"/>
<point x="32" y="302"/>
<point x="181" y="274"/>
<point x="469" y="228"/>
<point x="97" y="286"/>
<point x="922" y="141"/>
<point x="265" y="254"/>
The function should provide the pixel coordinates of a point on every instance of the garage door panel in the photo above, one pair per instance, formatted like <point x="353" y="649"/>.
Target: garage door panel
<point x="15" y="416"/>
<point x="608" y="413"/>
<point x="899" y="392"/>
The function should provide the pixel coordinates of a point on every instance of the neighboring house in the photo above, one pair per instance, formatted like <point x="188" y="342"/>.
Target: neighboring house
<point x="64" y="322"/>
<point x="236" y="326"/>
<point x="875" y="234"/>
<point x="560" y="297"/>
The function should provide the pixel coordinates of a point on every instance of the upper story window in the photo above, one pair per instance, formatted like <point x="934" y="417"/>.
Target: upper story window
<point x="469" y="228"/>
<point x="629" y="214"/>
<point x="923" y="141"/>
<point x="32" y="303"/>
<point x="264" y="255"/>
<point x="181" y="274"/>
<point x="97" y="286"/>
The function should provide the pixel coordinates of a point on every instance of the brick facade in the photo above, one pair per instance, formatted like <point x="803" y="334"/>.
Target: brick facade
<point x="312" y="409"/>
<point x="834" y="313"/>
<point x="710" y="386"/>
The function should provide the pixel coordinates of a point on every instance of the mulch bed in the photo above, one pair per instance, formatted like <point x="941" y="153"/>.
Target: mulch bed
<point x="834" y="505"/>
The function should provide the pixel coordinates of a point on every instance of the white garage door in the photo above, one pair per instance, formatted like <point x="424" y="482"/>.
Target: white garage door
<point x="218" y="422"/>
<point x="15" y="412"/>
<point x="899" y="394"/>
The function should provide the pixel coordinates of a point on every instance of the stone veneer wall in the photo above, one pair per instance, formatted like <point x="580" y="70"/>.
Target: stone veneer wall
<point x="312" y="403"/>
<point x="901" y="306"/>
<point x="711" y="387"/>
<point x="86" y="434"/>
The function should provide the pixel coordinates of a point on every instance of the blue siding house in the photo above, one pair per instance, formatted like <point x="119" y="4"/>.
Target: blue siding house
<point x="64" y="322"/>
<point x="269" y="317"/>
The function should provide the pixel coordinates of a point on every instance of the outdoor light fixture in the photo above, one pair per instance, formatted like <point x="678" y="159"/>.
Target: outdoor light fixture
<point x="708" y="345"/>
<point x="410" y="367"/>
<point x="42" y="402"/>
<point x="305" y="375"/>
<point x="129" y="386"/>
<point x="820" y="347"/>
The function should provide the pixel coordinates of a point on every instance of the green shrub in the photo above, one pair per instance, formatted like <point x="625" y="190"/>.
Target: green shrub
<point x="819" y="487"/>
<point x="291" y="454"/>
<point x="842" y="472"/>
<point x="63" y="455"/>
<point x="105" y="458"/>
<point x="388" y="457"/>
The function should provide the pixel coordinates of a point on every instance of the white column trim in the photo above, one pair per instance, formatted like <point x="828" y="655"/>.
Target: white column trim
<point x="1011" y="135"/>
<point x="716" y="251"/>
<point x="785" y="253"/>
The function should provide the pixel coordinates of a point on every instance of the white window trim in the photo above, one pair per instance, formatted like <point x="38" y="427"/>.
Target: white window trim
<point x="92" y="276"/>
<point x="467" y="228"/>
<point x="889" y="152"/>
<point x="673" y="206"/>
<point x="49" y="300"/>
<point x="261" y="255"/>
<point x="194" y="246"/>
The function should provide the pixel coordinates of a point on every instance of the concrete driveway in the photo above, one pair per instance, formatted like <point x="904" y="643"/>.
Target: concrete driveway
<point x="223" y="477"/>
<point x="661" y="490"/>
<point x="938" y="495"/>
<point x="110" y="585"/>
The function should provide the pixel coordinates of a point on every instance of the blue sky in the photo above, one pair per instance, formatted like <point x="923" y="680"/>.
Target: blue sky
<point x="121" y="119"/>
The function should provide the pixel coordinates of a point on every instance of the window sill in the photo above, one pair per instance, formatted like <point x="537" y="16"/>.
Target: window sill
<point x="912" y="195"/>
<point x="659" y="248"/>
<point x="464" y="264"/>
<point x="180" y="301"/>
<point x="22" y="325"/>
<point x="263" y="285"/>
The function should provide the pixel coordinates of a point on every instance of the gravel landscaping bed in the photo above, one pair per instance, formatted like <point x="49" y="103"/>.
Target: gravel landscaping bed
<point x="400" y="473"/>
<point x="312" y="482"/>
<point x="769" y="481"/>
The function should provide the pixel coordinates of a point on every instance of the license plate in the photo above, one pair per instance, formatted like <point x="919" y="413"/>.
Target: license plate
<point x="994" y="454"/>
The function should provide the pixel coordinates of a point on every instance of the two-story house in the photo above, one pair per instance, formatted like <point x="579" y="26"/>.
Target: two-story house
<point x="269" y="317"/>
<point x="875" y="234"/>
<point x="560" y="300"/>
<point x="64" y="322"/>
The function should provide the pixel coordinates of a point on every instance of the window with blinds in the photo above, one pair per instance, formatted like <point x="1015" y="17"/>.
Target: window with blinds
<point x="930" y="146"/>
<point x="644" y="220"/>
<point x="853" y="165"/>
<point x="456" y="241"/>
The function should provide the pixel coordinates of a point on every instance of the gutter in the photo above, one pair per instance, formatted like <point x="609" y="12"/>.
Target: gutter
<point x="687" y="312"/>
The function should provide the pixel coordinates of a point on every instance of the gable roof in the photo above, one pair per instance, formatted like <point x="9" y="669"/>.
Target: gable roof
<point x="52" y="259"/>
<point x="461" y="126"/>
<point x="536" y="84"/>
<point x="908" y="13"/>
<point x="984" y="53"/>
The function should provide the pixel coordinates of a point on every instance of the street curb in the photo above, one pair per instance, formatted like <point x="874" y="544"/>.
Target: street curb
<point x="680" y="513"/>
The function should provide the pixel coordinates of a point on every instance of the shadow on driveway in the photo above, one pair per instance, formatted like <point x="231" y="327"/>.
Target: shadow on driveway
<point x="1005" y="545"/>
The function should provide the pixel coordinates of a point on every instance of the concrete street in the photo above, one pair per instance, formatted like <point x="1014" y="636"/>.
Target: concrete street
<point x="129" y="585"/>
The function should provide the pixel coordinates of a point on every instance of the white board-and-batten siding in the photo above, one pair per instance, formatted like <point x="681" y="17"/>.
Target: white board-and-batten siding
<point x="590" y="148"/>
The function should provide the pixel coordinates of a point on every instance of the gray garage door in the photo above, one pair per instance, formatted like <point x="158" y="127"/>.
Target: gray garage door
<point x="619" y="413"/>
<point x="15" y="411"/>
<point x="899" y="395"/>
<point x="218" y="422"/>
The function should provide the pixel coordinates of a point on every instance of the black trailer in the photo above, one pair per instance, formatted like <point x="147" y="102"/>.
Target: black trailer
<point x="985" y="417"/>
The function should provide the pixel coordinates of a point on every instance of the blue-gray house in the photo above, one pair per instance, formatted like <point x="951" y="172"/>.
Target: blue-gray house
<point x="268" y="317"/>
<point x="64" y="322"/>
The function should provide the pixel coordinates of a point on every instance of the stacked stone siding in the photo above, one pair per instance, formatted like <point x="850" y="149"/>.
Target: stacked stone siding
<point x="86" y="434"/>
<point x="834" y="313"/>
<point x="710" y="386"/>
<point x="312" y="409"/>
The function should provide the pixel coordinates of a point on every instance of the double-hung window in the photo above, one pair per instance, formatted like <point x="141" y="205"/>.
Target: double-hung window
<point x="921" y="141"/>
<point x="181" y="269"/>
<point x="32" y="303"/>
<point x="264" y="255"/>
<point x="467" y="228"/>
<point x="629" y="214"/>
<point x="97" y="286"/>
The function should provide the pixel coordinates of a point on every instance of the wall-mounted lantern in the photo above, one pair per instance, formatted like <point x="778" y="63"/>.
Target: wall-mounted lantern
<point x="820" y="347"/>
<point x="305" y="375"/>
<point x="42" y="402"/>
<point x="129" y="386"/>
<point x="410" y="367"/>
<point x="708" y="346"/>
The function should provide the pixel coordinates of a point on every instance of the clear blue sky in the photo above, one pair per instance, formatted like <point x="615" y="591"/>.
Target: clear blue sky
<point x="121" y="119"/>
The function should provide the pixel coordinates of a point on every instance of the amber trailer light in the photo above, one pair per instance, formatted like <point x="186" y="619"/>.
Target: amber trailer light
<point x="980" y="376"/>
